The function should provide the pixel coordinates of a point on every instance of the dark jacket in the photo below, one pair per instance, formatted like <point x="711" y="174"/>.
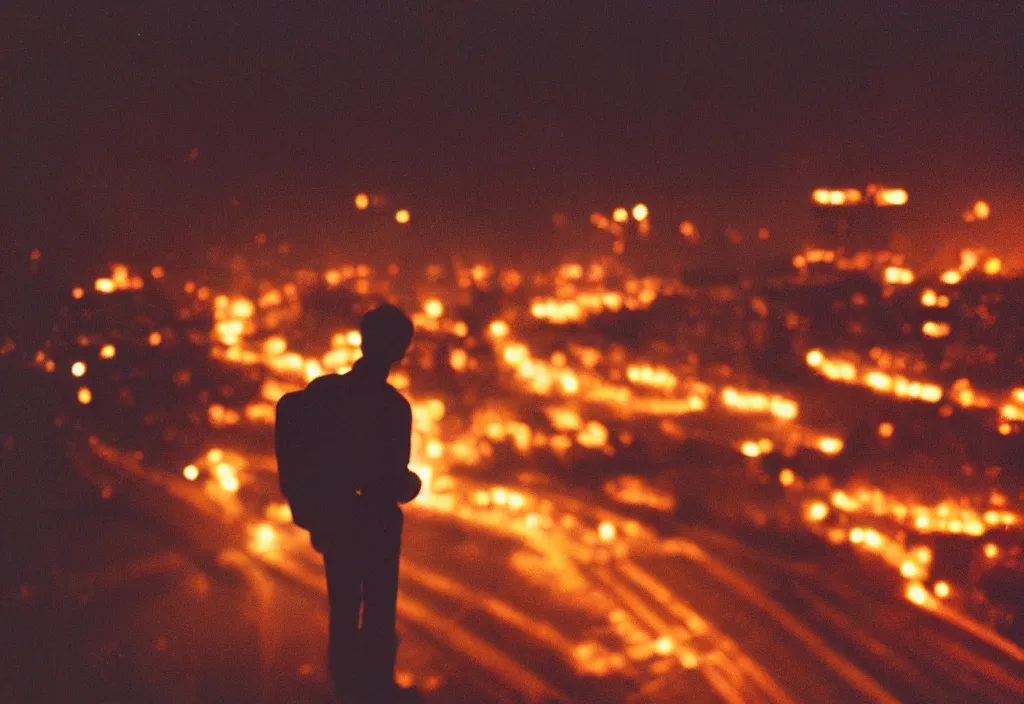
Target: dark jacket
<point x="367" y="427"/>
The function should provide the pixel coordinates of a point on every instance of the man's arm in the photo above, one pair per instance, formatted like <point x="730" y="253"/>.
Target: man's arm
<point x="394" y="481"/>
<point x="406" y="484"/>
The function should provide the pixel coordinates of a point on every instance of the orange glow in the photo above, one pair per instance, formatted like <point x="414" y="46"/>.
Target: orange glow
<point x="105" y="285"/>
<point x="157" y="272"/>
<point x="264" y="538"/>
<point x="227" y="477"/>
<point x="275" y="346"/>
<point x="817" y="511"/>
<point x="750" y="449"/>
<point x="836" y="196"/>
<point x="108" y="351"/>
<point x="992" y="266"/>
<point x="558" y="399"/>
<point x="77" y="292"/>
<point x="279" y="512"/>
<point x="458" y="359"/>
<point x="402" y="217"/>
<point x="664" y="645"/>
<point x="654" y="377"/>
<point x="830" y="446"/>
<point x="756" y="402"/>
<point x="1011" y="412"/>
<point x="942" y="589"/>
<point x="362" y="201"/>
<point x="435" y="449"/>
<point x="951" y="277"/>
<point x="935" y="329"/>
<point x="634" y="490"/>
<point x="498" y="329"/>
<point x="640" y="212"/>
<point x="433" y="308"/>
<point x="890" y="196"/>
<point x="84" y="395"/>
<point x="620" y="215"/>
<point x="930" y="299"/>
<point x="78" y="369"/>
<point x="593" y="435"/>
<point x="910" y="569"/>
<point x="917" y="594"/>
<point x="155" y="339"/>
<point x="898" y="275"/>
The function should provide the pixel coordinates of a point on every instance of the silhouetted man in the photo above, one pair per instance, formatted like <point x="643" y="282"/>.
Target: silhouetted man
<point x="344" y="482"/>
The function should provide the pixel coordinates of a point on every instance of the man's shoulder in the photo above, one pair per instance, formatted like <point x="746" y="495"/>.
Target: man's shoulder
<point x="292" y="398"/>
<point x="348" y="386"/>
<point x="327" y="382"/>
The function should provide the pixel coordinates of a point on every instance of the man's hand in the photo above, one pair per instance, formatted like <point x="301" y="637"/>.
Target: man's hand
<point x="410" y="487"/>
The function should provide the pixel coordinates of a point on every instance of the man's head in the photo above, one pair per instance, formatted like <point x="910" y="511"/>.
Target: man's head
<point x="387" y="333"/>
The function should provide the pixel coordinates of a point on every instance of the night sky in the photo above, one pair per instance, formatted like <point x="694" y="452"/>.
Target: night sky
<point x="485" y="118"/>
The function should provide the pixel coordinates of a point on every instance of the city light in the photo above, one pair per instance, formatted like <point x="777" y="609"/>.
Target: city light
<point x="837" y="197"/>
<point x="529" y="381"/>
<point x="899" y="275"/>
<point x="977" y="212"/>
<point x="499" y="329"/>
<point x="433" y="308"/>
<point x="890" y="196"/>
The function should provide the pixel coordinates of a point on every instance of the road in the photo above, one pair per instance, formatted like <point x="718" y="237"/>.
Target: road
<point x="168" y="597"/>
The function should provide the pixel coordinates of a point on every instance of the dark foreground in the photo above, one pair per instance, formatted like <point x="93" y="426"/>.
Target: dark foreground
<point x="130" y="595"/>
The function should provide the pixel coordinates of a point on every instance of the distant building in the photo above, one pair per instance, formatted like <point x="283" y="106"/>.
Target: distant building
<point x="855" y="219"/>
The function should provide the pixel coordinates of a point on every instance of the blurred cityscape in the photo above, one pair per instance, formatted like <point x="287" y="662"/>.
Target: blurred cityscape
<point x="642" y="482"/>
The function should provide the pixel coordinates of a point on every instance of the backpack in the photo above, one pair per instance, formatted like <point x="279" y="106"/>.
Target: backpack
<point x="295" y="446"/>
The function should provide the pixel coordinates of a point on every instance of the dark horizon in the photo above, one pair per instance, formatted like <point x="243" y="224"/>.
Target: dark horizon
<point x="485" y="121"/>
